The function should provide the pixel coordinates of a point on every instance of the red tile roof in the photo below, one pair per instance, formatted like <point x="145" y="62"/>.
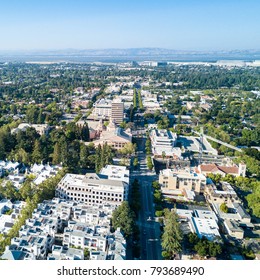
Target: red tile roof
<point x="210" y="168"/>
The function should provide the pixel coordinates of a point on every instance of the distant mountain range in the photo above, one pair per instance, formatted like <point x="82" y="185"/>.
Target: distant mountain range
<point x="138" y="54"/>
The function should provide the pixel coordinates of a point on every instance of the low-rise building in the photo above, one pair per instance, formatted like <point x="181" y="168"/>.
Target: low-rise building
<point x="116" y="246"/>
<point x="163" y="144"/>
<point x="62" y="253"/>
<point x="79" y="235"/>
<point x="13" y="253"/>
<point x="171" y="180"/>
<point x="9" y="213"/>
<point x="92" y="189"/>
<point x="8" y="166"/>
<point x="73" y="224"/>
<point x="44" y="171"/>
<point x="233" y="229"/>
<point x="41" y="129"/>
<point x="202" y="222"/>
<point x="214" y="168"/>
<point x="235" y="220"/>
<point x="37" y="245"/>
<point x="115" y="172"/>
<point x="223" y="193"/>
<point x="206" y="228"/>
<point x="16" y="179"/>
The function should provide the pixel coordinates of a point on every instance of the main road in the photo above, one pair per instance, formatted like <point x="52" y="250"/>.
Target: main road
<point x="149" y="228"/>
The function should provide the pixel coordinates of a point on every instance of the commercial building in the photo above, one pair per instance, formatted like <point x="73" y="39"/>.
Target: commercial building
<point x="163" y="144"/>
<point x="206" y="228"/>
<point x="92" y="189"/>
<point x="117" y="111"/>
<point x="224" y="193"/>
<point x="172" y="180"/>
<point x="202" y="222"/>
<point x="102" y="108"/>
<point x="115" y="172"/>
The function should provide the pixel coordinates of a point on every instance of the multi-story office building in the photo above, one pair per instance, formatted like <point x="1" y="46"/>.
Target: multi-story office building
<point x="117" y="111"/>
<point x="171" y="180"/>
<point x="163" y="143"/>
<point x="92" y="189"/>
<point x="102" y="108"/>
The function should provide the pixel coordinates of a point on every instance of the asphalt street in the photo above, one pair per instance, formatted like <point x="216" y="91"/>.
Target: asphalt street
<point x="149" y="228"/>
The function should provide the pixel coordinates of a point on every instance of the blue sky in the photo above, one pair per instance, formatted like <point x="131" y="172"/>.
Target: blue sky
<point x="97" y="24"/>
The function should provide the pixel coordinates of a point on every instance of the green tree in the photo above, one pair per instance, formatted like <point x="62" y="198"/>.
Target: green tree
<point x="135" y="162"/>
<point x="56" y="155"/>
<point x="223" y="207"/>
<point x="163" y="155"/>
<point x="10" y="191"/>
<point x="128" y="149"/>
<point x="37" y="152"/>
<point x="172" y="235"/>
<point x="27" y="191"/>
<point x="123" y="218"/>
<point x="149" y="162"/>
<point x="253" y="200"/>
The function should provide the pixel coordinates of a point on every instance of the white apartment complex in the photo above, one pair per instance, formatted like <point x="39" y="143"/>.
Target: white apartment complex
<point x="92" y="189"/>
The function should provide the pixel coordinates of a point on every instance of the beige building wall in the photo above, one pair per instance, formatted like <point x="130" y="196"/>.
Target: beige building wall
<point x="178" y="182"/>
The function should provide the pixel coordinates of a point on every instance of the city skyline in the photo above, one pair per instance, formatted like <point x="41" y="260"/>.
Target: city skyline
<point x="179" y="25"/>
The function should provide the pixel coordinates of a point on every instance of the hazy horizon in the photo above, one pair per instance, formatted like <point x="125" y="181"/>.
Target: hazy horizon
<point x="131" y="48"/>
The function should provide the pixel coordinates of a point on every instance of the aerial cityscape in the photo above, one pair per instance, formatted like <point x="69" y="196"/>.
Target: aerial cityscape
<point x="128" y="152"/>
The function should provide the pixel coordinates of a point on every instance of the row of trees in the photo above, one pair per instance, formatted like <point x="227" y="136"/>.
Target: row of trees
<point x="148" y="146"/>
<point x="158" y="199"/>
<point x="103" y="156"/>
<point x="135" y="197"/>
<point x="137" y="100"/>
<point x="44" y="191"/>
<point x="149" y="162"/>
